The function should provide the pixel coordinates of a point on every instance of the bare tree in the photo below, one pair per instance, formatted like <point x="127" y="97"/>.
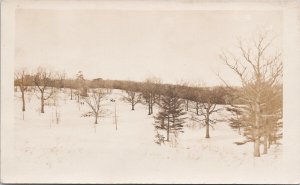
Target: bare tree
<point x="208" y="106"/>
<point x="21" y="80"/>
<point x="258" y="68"/>
<point x="71" y="88"/>
<point x="194" y="95"/>
<point x="150" y="93"/>
<point x="61" y="78"/>
<point x="94" y="101"/>
<point x="133" y="98"/>
<point x="43" y="80"/>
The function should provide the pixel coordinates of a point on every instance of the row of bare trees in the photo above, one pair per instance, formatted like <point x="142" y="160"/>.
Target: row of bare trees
<point x="172" y="102"/>
<point x="42" y="79"/>
<point x="152" y="92"/>
<point x="44" y="83"/>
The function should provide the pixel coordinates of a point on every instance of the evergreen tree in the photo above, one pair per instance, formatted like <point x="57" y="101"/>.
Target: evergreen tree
<point x="171" y="112"/>
<point x="81" y="86"/>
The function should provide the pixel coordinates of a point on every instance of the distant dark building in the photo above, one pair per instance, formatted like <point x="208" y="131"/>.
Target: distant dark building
<point x="97" y="79"/>
<point x="97" y="82"/>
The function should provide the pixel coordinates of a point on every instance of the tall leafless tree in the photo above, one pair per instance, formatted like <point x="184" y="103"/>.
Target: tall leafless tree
<point x="133" y="98"/>
<point x="207" y="102"/>
<point x="61" y="77"/>
<point x="42" y="80"/>
<point x="186" y="93"/>
<point x="21" y="80"/>
<point x="258" y="68"/>
<point x="150" y="93"/>
<point x="94" y="101"/>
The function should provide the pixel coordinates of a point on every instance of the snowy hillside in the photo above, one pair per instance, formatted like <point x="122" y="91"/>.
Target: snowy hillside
<point x="73" y="146"/>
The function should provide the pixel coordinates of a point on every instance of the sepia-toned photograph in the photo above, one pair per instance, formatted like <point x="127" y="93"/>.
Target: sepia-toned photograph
<point x="150" y="92"/>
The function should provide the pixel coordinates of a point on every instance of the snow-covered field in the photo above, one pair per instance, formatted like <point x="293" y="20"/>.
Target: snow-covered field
<point x="75" y="150"/>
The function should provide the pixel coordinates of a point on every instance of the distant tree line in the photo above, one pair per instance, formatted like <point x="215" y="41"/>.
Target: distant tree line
<point x="150" y="90"/>
<point x="172" y="100"/>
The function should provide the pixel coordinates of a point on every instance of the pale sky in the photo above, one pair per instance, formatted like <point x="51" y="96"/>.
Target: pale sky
<point x="134" y="45"/>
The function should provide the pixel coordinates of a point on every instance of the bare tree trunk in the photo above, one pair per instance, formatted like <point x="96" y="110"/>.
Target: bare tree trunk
<point x="197" y="108"/>
<point x="168" y="130"/>
<point x="275" y="140"/>
<point x="42" y="103"/>
<point x="207" y="128"/>
<point x="256" y="146"/>
<point x="256" y="129"/>
<point x="187" y="105"/>
<point x="23" y="100"/>
<point x="269" y="141"/>
<point x="265" y="144"/>
<point x="132" y="105"/>
<point x="266" y="136"/>
<point x="149" y="108"/>
<point x="71" y="94"/>
<point x="96" y="119"/>
<point x="151" y="104"/>
<point x="56" y="115"/>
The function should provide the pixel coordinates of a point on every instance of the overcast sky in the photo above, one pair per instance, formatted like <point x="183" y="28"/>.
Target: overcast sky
<point x="134" y="45"/>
